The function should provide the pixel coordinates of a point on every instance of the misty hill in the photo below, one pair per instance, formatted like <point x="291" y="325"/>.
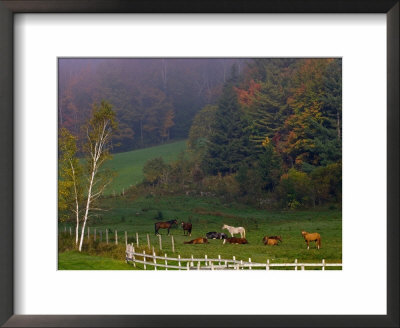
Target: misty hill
<point x="155" y="99"/>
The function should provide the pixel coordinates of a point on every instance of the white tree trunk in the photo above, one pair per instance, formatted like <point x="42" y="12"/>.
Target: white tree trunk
<point x="87" y="208"/>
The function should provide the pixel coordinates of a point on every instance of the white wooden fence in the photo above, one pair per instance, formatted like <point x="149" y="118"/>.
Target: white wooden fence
<point x="155" y="261"/>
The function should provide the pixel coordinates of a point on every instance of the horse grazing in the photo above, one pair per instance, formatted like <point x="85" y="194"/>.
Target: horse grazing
<point x="267" y="238"/>
<point x="315" y="236"/>
<point x="235" y="230"/>
<point x="235" y="240"/>
<point x="164" y="225"/>
<point x="200" y="240"/>
<point x="216" y="235"/>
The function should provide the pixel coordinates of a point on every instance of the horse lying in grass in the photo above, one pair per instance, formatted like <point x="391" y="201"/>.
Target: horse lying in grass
<point x="272" y="240"/>
<point x="200" y="240"/>
<point x="216" y="235"/>
<point x="164" y="225"/>
<point x="315" y="236"/>
<point x="235" y="230"/>
<point x="235" y="240"/>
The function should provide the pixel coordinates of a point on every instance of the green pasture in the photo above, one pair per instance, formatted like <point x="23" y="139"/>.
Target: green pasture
<point x="209" y="214"/>
<point x="129" y="165"/>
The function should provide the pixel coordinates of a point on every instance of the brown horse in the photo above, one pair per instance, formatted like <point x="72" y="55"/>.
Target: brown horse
<point x="272" y="242"/>
<point x="200" y="240"/>
<point x="164" y="225"/>
<point x="234" y="240"/>
<point x="315" y="236"/>
<point x="186" y="226"/>
<point x="266" y="240"/>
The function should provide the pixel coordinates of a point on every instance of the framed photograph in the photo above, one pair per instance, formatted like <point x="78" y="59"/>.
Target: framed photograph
<point x="253" y="146"/>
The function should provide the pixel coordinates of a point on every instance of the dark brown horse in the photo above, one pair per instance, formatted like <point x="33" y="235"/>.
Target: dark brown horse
<point x="164" y="225"/>
<point x="186" y="226"/>
<point x="234" y="240"/>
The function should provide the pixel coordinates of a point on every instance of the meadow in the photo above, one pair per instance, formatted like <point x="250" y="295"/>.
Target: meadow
<point x="129" y="165"/>
<point x="209" y="214"/>
<point x="137" y="213"/>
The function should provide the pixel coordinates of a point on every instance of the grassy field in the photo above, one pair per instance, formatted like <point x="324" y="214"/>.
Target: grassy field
<point x="73" y="260"/>
<point x="129" y="165"/>
<point x="209" y="214"/>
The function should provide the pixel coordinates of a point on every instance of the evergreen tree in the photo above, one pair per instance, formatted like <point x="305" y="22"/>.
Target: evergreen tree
<point x="229" y="144"/>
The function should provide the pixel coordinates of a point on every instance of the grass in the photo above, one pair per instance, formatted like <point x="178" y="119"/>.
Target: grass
<point x="209" y="214"/>
<point x="129" y="165"/>
<point x="73" y="260"/>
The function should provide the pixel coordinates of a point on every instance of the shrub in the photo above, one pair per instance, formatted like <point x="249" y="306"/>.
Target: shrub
<point x="327" y="181"/>
<point x="295" y="190"/>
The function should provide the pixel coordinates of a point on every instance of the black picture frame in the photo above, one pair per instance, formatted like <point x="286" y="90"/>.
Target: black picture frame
<point x="10" y="7"/>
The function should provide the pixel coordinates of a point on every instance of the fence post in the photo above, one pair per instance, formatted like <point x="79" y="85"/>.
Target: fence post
<point x="126" y="238"/>
<point x="94" y="234"/>
<point x="137" y="239"/>
<point x="148" y="241"/>
<point x="302" y="267"/>
<point x="250" y="263"/>
<point x="116" y="237"/>
<point x="159" y="239"/>
<point x="205" y="262"/>
<point x="267" y="266"/>
<point x="191" y="263"/>
<point x="198" y="265"/>
<point x="323" y="264"/>
<point x="144" y="259"/>
<point x="241" y="264"/>
<point x="154" y="260"/>
<point x="219" y="259"/>
<point x="152" y="248"/>
<point x="212" y="266"/>
<point x="133" y="256"/>
<point x="173" y="244"/>
<point x="187" y="266"/>
<point x="166" y="262"/>
<point x="179" y="261"/>
<point x="107" y="235"/>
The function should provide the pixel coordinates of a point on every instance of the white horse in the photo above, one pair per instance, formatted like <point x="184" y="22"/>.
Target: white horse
<point x="235" y="230"/>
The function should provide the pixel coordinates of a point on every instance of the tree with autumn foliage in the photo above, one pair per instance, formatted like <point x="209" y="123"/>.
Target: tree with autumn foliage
<point x="309" y="139"/>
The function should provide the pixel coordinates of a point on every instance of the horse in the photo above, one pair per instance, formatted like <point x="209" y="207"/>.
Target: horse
<point x="235" y="230"/>
<point x="272" y="242"/>
<point x="200" y="240"/>
<point x="187" y="227"/>
<point x="266" y="238"/>
<point x="216" y="235"/>
<point x="315" y="236"/>
<point x="164" y="225"/>
<point x="235" y="240"/>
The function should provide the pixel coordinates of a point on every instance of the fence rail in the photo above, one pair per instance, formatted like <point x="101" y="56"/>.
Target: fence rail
<point x="210" y="263"/>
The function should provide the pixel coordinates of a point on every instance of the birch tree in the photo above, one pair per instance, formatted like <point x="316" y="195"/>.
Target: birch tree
<point x="99" y="132"/>
<point x="69" y="185"/>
